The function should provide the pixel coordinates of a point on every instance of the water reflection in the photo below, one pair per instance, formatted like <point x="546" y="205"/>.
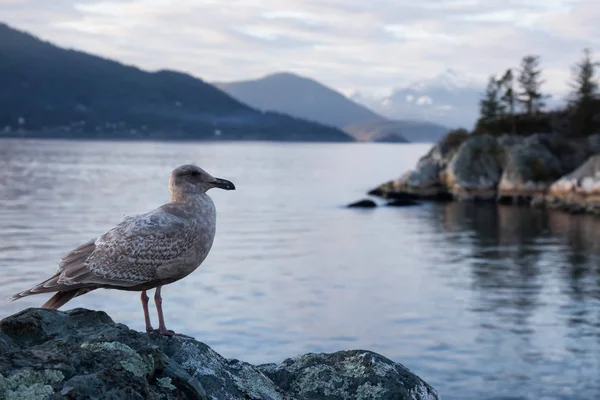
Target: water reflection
<point x="482" y="301"/>
<point x="519" y="249"/>
<point x="535" y="276"/>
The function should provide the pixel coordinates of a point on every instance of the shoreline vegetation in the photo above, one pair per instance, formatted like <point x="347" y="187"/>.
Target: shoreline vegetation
<point x="518" y="152"/>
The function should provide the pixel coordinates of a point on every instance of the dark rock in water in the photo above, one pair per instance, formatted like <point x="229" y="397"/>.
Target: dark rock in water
<point x="402" y="203"/>
<point x="378" y="191"/>
<point x="381" y="192"/>
<point x="83" y="354"/>
<point x="366" y="203"/>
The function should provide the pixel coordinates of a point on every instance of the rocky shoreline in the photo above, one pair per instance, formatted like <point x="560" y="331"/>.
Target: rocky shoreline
<point x="540" y="170"/>
<point x="83" y="354"/>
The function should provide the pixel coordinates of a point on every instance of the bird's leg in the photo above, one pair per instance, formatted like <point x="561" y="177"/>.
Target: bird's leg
<point x="161" y="319"/>
<point x="145" y="300"/>
<point x="162" y="329"/>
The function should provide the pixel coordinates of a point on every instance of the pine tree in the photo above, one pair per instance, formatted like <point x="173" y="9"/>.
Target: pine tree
<point x="530" y="83"/>
<point x="490" y="106"/>
<point x="508" y="96"/>
<point x="585" y="92"/>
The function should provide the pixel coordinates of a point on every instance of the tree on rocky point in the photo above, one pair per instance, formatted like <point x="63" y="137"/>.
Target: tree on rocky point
<point x="490" y="105"/>
<point x="530" y="83"/>
<point x="508" y="96"/>
<point x="584" y="100"/>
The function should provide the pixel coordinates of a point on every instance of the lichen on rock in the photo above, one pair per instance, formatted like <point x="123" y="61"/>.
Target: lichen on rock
<point x="355" y="374"/>
<point x="92" y="357"/>
<point x="29" y="384"/>
<point x="128" y="358"/>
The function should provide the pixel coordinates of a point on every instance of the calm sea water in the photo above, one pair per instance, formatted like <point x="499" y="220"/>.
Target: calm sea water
<point x="483" y="302"/>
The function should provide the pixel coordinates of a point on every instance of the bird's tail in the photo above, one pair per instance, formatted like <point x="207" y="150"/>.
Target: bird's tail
<point x="60" y="299"/>
<point x="55" y="302"/>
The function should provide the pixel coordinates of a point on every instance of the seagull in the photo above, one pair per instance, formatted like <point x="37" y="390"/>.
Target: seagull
<point x="143" y="252"/>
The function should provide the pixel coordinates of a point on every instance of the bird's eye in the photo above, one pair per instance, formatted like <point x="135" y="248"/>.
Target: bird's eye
<point x="194" y="173"/>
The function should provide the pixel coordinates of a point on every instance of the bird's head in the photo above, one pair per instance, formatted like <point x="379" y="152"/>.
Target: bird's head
<point x="190" y="179"/>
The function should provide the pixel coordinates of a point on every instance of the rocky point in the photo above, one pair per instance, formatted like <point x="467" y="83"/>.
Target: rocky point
<point x="543" y="169"/>
<point x="83" y="354"/>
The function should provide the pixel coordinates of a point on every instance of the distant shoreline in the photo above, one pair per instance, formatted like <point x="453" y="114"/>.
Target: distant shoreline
<point x="194" y="140"/>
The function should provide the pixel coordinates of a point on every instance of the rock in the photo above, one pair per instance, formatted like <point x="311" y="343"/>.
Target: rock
<point x="507" y="140"/>
<point x="570" y="153"/>
<point x="443" y="151"/>
<point x="402" y="203"/>
<point x="530" y="170"/>
<point x="424" y="182"/>
<point x="83" y="354"/>
<point x="475" y="170"/>
<point x="593" y="144"/>
<point x="508" y="168"/>
<point x="355" y="374"/>
<point x="578" y="191"/>
<point x="366" y="203"/>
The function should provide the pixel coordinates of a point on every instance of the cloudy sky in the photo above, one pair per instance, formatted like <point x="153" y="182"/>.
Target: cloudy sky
<point x="366" y="45"/>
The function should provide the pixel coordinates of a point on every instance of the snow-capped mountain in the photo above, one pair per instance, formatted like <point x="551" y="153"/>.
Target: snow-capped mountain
<point x="450" y="98"/>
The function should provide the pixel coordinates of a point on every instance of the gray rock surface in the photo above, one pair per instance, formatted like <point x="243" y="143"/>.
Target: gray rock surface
<point x="424" y="181"/>
<point x="83" y="354"/>
<point x="578" y="191"/>
<point x="506" y="168"/>
<point x="570" y="153"/>
<point x="475" y="170"/>
<point x="355" y="374"/>
<point x="530" y="169"/>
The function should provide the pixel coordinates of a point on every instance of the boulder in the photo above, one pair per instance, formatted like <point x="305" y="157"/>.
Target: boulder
<point x="423" y="182"/>
<point x="475" y="169"/>
<point x="402" y="203"/>
<point x="507" y="140"/>
<point x="355" y="374"/>
<point x="578" y="191"/>
<point x="442" y="152"/>
<point x="365" y="203"/>
<point x="592" y="144"/>
<point x="570" y="153"/>
<point x="530" y="170"/>
<point x="83" y="354"/>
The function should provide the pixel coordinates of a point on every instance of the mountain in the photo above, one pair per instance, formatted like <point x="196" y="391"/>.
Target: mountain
<point x="391" y="131"/>
<point x="306" y="98"/>
<point x="301" y="97"/>
<point x="47" y="91"/>
<point x="450" y="99"/>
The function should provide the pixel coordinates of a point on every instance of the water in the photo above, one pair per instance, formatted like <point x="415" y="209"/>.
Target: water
<point x="482" y="302"/>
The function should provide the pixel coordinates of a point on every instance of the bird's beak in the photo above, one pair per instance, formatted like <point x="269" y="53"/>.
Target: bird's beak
<point x="224" y="184"/>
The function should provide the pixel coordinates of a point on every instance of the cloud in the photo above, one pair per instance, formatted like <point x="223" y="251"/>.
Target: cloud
<point x="347" y="44"/>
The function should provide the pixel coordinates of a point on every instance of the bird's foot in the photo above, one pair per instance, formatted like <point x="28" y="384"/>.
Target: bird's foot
<point x="168" y="332"/>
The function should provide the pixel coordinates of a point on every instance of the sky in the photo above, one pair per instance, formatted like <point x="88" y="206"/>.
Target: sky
<point x="371" y="46"/>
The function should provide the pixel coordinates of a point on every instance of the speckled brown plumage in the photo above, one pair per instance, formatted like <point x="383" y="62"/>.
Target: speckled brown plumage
<point x="146" y="251"/>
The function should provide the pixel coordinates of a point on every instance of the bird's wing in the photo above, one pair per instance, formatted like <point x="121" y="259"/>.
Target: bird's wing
<point x="131" y="253"/>
<point x="128" y="255"/>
